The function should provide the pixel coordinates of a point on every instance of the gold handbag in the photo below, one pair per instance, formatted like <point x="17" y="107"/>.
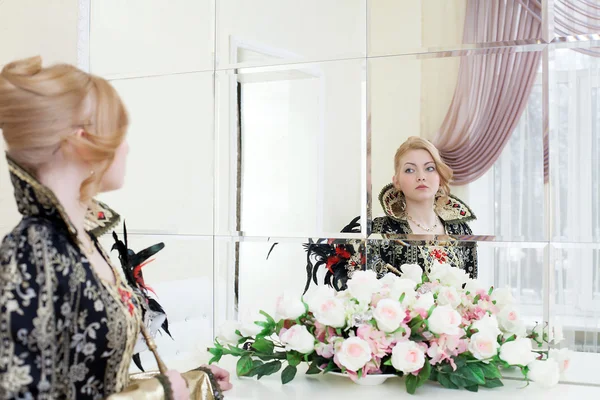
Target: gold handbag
<point x="154" y="385"/>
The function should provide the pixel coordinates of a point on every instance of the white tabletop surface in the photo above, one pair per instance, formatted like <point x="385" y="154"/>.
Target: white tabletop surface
<point x="334" y="387"/>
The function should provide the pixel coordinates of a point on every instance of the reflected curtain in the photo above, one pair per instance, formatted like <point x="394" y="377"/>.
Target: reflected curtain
<point x="492" y="89"/>
<point x="577" y="17"/>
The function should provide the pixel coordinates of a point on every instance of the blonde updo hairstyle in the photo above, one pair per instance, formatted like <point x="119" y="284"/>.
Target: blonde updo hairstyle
<point x="41" y="109"/>
<point x="444" y="171"/>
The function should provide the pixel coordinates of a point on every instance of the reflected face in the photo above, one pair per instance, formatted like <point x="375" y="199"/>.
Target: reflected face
<point x="114" y="178"/>
<point x="417" y="176"/>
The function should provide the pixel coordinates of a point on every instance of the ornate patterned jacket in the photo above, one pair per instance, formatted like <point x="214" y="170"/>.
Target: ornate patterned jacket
<point x="455" y="216"/>
<point x="64" y="332"/>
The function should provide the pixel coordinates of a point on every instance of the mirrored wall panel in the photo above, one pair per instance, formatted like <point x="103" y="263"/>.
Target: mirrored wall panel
<point x="181" y="277"/>
<point x="574" y="303"/>
<point x="289" y="149"/>
<point x="575" y="19"/>
<point x="151" y="37"/>
<point x="406" y="26"/>
<point x="484" y="113"/>
<point x="271" y="32"/>
<point x="574" y="117"/>
<point x="170" y="166"/>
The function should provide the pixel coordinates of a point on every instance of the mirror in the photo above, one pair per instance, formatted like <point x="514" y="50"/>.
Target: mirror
<point x="492" y="142"/>
<point x="292" y="139"/>
<point x="273" y="32"/>
<point x="407" y="27"/>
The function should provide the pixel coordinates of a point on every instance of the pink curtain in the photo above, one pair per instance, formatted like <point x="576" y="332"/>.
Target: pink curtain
<point x="577" y="17"/>
<point x="492" y="89"/>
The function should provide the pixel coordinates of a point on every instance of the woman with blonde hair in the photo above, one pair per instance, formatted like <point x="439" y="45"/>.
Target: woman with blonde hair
<point x="418" y="202"/>
<point x="68" y="321"/>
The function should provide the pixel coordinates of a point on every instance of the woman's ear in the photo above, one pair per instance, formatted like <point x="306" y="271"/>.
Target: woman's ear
<point x="395" y="182"/>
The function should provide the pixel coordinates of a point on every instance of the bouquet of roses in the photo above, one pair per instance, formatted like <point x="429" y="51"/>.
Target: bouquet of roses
<point x="440" y="326"/>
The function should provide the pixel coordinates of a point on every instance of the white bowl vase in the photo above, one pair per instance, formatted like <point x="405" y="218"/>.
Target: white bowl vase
<point x="369" y="380"/>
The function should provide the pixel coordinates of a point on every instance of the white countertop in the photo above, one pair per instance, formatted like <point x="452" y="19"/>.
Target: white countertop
<point x="334" y="387"/>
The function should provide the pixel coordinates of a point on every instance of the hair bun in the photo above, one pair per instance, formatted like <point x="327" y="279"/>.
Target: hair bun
<point x="23" y="68"/>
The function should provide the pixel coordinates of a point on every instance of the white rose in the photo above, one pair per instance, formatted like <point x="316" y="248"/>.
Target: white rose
<point x="557" y="335"/>
<point x="388" y="280"/>
<point x="448" y="275"/>
<point x="289" y="306"/>
<point x="438" y="271"/>
<point x="363" y="284"/>
<point x="475" y="285"/>
<point x="545" y="373"/>
<point x="483" y="346"/>
<point x="562" y="357"/>
<point x="404" y="287"/>
<point x="502" y="297"/>
<point x="227" y="332"/>
<point x="317" y="296"/>
<point x="448" y="296"/>
<point x="354" y="353"/>
<point x="330" y="312"/>
<point x="298" y="338"/>
<point x="487" y="325"/>
<point x="425" y="301"/>
<point x="517" y="352"/>
<point x="408" y="357"/>
<point x="389" y="314"/>
<point x="250" y="329"/>
<point x="412" y="271"/>
<point x="456" y="277"/>
<point x="445" y="319"/>
<point x="510" y="321"/>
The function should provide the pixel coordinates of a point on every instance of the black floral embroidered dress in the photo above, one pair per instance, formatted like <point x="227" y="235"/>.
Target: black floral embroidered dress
<point x="64" y="332"/>
<point x="455" y="216"/>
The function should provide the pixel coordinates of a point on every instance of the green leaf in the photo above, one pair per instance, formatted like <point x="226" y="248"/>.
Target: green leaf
<point x="473" y="388"/>
<point x="388" y="362"/>
<point x="263" y="346"/>
<point x="490" y="371"/>
<point x="460" y="362"/>
<point x="476" y="373"/>
<point x="445" y="381"/>
<point x="244" y="365"/>
<point x="402" y="299"/>
<point x="424" y="374"/>
<point x="458" y="380"/>
<point x="294" y="358"/>
<point x="416" y="322"/>
<point x="493" y="383"/>
<point x="490" y="291"/>
<point x="268" y="369"/>
<point x="434" y="375"/>
<point x="255" y="365"/>
<point x="288" y="374"/>
<point x="476" y="299"/>
<point x="279" y="326"/>
<point x="217" y="354"/>
<point x="313" y="369"/>
<point x="330" y="367"/>
<point x="234" y="351"/>
<point x="270" y="319"/>
<point x="411" y="383"/>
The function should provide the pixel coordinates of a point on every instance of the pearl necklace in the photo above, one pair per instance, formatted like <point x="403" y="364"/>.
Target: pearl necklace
<point x="421" y="226"/>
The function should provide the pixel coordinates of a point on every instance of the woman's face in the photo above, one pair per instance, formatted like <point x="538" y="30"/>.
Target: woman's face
<point x="114" y="178"/>
<point x="417" y="176"/>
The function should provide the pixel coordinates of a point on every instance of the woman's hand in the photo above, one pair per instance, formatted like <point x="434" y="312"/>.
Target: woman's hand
<point x="221" y="376"/>
<point x="179" y="385"/>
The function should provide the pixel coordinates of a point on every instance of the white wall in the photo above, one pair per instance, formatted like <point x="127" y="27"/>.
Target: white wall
<point x="305" y="29"/>
<point x="26" y="31"/>
<point x="159" y="58"/>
